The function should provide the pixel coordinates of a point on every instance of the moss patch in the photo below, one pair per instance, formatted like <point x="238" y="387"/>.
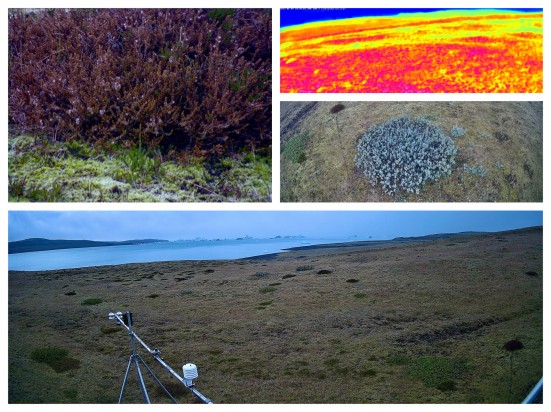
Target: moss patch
<point x="77" y="172"/>
<point x="57" y="358"/>
<point x="438" y="371"/>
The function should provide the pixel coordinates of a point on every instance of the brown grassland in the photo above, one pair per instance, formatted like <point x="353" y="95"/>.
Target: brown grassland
<point x="421" y="322"/>
<point x="318" y="146"/>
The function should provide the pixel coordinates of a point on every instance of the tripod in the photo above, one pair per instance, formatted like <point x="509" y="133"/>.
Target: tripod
<point x="190" y="370"/>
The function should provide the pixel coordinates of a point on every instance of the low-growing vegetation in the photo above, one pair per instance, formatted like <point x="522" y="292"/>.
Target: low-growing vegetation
<point x="404" y="153"/>
<point x="139" y="105"/>
<point x="91" y="301"/>
<point x="49" y="172"/>
<point x="412" y="152"/>
<point x="438" y="371"/>
<point x="57" y="358"/>
<point x="424" y="333"/>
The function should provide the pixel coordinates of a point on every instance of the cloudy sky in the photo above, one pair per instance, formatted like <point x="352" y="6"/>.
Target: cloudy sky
<point x="263" y="224"/>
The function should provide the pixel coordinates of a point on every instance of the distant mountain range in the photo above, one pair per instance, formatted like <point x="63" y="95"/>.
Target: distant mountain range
<point x="437" y="236"/>
<point x="38" y="244"/>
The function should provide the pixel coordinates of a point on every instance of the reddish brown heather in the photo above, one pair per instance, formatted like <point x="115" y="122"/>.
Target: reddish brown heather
<point x="191" y="78"/>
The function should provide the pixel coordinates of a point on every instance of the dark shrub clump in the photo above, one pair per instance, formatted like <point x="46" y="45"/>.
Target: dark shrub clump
<point x="513" y="345"/>
<point x="404" y="153"/>
<point x="190" y="78"/>
<point x="324" y="272"/>
<point x="337" y="108"/>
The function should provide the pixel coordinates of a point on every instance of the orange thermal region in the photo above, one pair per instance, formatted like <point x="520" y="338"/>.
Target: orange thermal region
<point x="453" y="51"/>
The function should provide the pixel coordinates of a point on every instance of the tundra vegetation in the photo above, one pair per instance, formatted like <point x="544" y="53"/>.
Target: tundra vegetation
<point x="404" y="153"/>
<point x="139" y="105"/>
<point x="452" y="320"/>
<point x="411" y="151"/>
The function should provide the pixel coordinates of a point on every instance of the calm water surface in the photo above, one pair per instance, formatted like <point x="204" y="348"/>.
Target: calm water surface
<point x="155" y="252"/>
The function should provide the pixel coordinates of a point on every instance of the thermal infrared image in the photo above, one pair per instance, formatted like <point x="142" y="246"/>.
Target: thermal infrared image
<point x="411" y="51"/>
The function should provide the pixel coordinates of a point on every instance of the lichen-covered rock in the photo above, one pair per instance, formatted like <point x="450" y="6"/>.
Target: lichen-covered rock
<point x="404" y="153"/>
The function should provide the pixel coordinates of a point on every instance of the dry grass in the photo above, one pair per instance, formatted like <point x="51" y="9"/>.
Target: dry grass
<point x="314" y="338"/>
<point x="506" y="138"/>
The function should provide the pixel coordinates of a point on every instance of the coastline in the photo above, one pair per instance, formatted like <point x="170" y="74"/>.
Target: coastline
<point x="311" y="250"/>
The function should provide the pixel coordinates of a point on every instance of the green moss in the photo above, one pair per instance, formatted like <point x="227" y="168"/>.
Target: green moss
<point x="71" y="394"/>
<point x="293" y="150"/>
<point x="220" y="14"/>
<point x="331" y="362"/>
<point x="264" y="305"/>
<point x="437" y="371"/>
<point x="398" y="360"/>
<point x="57" y="358"/>
<point x="77" y="172"/>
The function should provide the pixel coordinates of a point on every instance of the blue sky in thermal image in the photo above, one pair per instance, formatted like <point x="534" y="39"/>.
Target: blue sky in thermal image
<point x="291" y="17"/>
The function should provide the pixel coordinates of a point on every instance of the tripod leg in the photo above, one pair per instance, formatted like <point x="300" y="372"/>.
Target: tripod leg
<point x="125" y="377"/>
<point x="157" y="380"/>
<point x="140" y="378"/>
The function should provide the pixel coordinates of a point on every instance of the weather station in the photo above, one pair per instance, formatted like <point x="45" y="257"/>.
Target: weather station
<point x="189" y="370"/>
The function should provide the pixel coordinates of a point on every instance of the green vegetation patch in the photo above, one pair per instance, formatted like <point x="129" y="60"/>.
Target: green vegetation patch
<point x="294" y="149"/>
<point x="71" y="394"/>
<point x="438" y="371"/>
<point x="398" y="359"/>
<point x="267" y="289"/>
<point x="57" y="358"/>
<point x="60" y="172"/>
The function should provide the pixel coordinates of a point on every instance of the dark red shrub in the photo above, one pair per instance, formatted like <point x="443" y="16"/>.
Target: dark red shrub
<point x="195" y="79"/>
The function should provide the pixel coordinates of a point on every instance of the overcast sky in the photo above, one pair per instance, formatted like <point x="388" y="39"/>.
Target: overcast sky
<point x="212" y="224"/>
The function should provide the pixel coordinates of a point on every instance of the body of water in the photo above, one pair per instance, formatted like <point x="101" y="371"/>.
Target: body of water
<point x="155" y="252"/>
